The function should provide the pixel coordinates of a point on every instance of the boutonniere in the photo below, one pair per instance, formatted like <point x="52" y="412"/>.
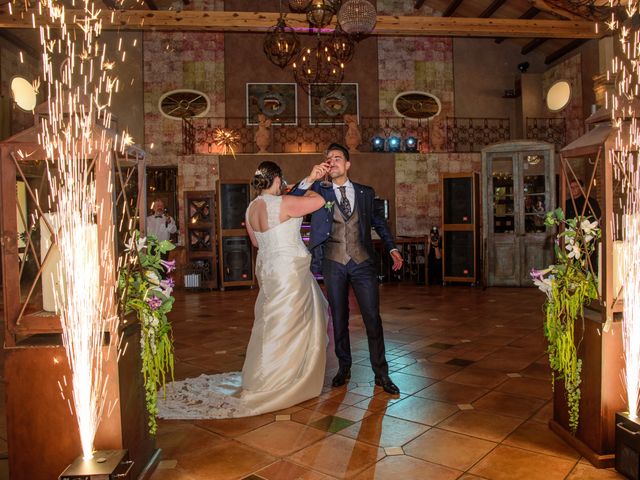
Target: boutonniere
<point x="329" y="205"/>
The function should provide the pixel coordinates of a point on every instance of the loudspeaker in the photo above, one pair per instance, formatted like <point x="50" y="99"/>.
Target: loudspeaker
<point x="236" y="258"/>
<point x="461" y="228"/>
<point x="234" y="200"/>
<point x="457" y="200"/>
<point x="460" y="257"/>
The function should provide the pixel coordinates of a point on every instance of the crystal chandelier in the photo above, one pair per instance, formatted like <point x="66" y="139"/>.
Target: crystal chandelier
<point x="281" y="45"/>
<point x="320" y="12"/>
<point x="357" y="17"/>
<point x="318" y="65"/>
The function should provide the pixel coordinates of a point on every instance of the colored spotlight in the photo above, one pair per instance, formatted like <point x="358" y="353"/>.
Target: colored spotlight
<point x="377" y="143"/>
<point x="411" y="144"/>
<point x="394" y="144"/>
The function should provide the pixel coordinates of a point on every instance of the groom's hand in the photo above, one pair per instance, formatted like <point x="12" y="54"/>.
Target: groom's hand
<point x="317" y="172"/>
<point x="397" y="260"/>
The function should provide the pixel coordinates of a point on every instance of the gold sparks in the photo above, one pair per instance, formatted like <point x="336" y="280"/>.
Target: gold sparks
<point x="227" y="139"/>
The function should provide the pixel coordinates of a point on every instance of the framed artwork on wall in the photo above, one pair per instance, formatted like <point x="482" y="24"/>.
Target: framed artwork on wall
<point x="329" y="104"/>
<point x="277" y="101"/>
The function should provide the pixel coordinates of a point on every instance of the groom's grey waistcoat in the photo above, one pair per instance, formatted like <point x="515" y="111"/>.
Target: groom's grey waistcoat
<point x="344" y="243"/>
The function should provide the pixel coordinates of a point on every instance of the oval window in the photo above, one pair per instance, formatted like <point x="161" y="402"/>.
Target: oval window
<point x="558" y="95"/>
<point x="417" y="105"/>
<point x="179" y="104"/>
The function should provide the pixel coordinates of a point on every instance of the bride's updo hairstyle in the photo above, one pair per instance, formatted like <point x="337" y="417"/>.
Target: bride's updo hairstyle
<point x="265" y="174"/>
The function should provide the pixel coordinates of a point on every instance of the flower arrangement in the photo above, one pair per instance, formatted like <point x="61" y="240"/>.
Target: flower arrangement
<point x="568" y="285"/>
<point x="144" y="290"/>
<point x="329" y="205"/>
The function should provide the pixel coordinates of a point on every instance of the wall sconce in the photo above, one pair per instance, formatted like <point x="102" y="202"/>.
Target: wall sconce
<point x="377" y="143"/>
<point x="411" y="144"/>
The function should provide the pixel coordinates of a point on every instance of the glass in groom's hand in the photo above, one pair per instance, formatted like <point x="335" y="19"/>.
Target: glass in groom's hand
<point x="326" y="181"/>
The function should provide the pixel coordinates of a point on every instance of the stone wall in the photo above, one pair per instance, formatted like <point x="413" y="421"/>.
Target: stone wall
<point x="418" y="198"/>
<point x="571" y="71"/>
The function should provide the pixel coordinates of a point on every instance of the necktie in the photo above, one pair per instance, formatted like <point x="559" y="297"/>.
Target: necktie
<point x="345" y="206"/>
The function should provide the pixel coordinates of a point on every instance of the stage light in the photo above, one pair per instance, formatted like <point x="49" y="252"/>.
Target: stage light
<point x="377" y="143"/>
<point x="411" y="144"/>
<point x="394" y="143"/>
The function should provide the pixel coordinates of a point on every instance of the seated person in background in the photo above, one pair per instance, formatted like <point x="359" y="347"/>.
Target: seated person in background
<point x="576" y="188"/>
<point x="160" y="224"/>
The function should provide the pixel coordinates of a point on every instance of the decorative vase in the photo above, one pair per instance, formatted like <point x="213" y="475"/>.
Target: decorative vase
<point x="263" y="135"/>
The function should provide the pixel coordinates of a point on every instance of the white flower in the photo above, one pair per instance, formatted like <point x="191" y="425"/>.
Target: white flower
<point x="544" y="284"/>
<point x="574" y="251"/>
<point x="152" y="277"/>
<point x="589" y="229"/>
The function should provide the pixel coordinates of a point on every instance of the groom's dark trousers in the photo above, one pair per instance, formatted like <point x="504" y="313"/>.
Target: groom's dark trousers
<point x="362" y="278"/>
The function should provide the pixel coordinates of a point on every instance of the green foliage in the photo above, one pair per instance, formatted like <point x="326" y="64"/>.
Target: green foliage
<point x="144" y="290"/>
<point x="569" y="285"/>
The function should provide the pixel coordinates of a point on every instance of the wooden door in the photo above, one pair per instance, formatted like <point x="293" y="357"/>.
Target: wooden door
<point x="503" y="246"/>
<point x="536" y="196"/>
<point x="519" y="188"/>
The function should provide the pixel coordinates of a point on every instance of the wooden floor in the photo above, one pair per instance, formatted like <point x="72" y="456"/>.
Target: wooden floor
<point x="475" y="396"/>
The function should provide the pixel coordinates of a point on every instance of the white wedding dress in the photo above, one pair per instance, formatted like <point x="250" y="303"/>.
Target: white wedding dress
<point x="285" y="359"/>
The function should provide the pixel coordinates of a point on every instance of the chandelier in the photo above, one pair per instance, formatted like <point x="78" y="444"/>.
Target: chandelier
<point x="320" y="12"/>
<point x="318" y="65"/>
<point x="281" y="44"/>
<point x="357" y="17"/>
<point x="299" y="5"/>
<point x="342" y="45"/>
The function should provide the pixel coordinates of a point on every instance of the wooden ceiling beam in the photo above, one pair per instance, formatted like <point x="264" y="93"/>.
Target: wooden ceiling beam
<point x="528" y="15"/>
<point x="562" y="51"/>
<point x="151" y="4"/>
<point x="532" y="45"/>
<point x="19" y="44"/>
<point x="491" y="9"/>
<point x="259" y="22"/>
<point x="451" y="8"/>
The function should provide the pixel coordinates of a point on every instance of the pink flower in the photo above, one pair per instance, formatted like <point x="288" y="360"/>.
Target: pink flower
<point x="154" y="302"/>
<point x="169" y="266"/>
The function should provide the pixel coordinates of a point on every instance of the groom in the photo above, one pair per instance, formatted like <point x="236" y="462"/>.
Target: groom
<point x="342" y="249"/>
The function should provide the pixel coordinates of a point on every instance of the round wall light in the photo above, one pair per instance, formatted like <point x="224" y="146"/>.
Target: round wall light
<point x="558" y="95"/>
<point x="23" y="93"/>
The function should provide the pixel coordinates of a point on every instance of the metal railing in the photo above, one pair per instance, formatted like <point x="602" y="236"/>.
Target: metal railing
<point x="302" y="135"/>
<point x="552" y="130"/>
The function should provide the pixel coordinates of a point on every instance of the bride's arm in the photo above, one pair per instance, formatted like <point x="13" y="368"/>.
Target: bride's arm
<point x="247" y="225"/>
<point x="293" y="206"/>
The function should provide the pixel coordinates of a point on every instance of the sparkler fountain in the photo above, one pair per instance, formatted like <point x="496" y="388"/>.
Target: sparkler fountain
<point x="74" y="138"/>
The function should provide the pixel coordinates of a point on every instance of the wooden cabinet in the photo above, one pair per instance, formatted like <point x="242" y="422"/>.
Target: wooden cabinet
<point x="235" y="249"/>
<point x="460" y="227"/>
<point x="200" y="240"/>
<point x="518" y="188"/>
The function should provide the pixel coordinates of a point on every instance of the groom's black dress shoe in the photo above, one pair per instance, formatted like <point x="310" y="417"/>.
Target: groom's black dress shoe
<point x="341" y="378"/>
<point x="387" y="385"/>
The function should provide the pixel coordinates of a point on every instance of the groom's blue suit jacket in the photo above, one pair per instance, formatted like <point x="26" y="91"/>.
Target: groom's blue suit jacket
<point x="322" y="221"/>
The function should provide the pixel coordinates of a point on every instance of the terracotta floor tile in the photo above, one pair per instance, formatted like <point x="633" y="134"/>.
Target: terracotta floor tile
<point x="338" y="456"/>
<point x="508" y="463"/>
<point x="482" y="425"/>
<point x="587" y="472"/>
<point x="171" y="474"/>
<point x="448" y="448"/>
<point x="379" y="402"/>
<point x="511" y="405"/>
<point x="430" y="370"/>
<point x="409" y="468"/>
<point x="175" y="438"/>
<point x="281" y="438"/>
<point x="528" y="387"/>
<point x="226" y="461"/>
<point x="544" y="414"/>
<point x="452" y="392"/>
<point x="478" y="377"/>
<point x="306" y="416"/>
<point x="421" y="410"/>
<point x="539" y="438"/>
<point x="232" y="427"/>
<point x="354" y="414"/>
<point x="284" y="470"/>
<point x="409" y="383"/>
<point x="384" y="431"/>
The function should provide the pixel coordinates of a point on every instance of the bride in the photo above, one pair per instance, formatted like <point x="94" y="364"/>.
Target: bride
<point x="285" y="359"/>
